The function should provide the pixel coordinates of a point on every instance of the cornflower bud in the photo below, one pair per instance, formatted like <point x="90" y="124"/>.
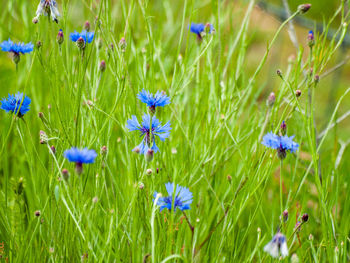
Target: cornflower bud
<point x="87" y="26"/>
<point x="304" y="8"/>
<point x="298" y="93"/>
<point x="102" y="66"/>
<point x="271" y="99"/>
<point x="60" y="37"/>
<point x="81" y="43"/>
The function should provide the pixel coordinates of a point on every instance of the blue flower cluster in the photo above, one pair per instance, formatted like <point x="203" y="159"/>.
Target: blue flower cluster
<point x="200" y="29"/>
<point x="280" y="143"/>
<point x="150" y="126"/>
<point x="15" y="103"/>
<point x="180" y="197"/>
<point x="87" y="36"/>
<point x="9" y="46"/>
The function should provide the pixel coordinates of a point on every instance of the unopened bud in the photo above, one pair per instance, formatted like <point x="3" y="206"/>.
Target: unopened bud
<point x="157" y="170"/>
<point x="311" y="237"/>
<point x="102" y="66"/>
<point x="104" y="150"/>
<point x="149" y="171"/>
<point x="95" y="199"/>
<point x="65" y="174"/>
<point x="35" y="20"/>
<point x="39" y="44"/>
<point x="283" y="128"/>
<point x="60" y="37"/>
<point x="298" y="93"/>
<point x="279" y="73"/>
<point x="37" y="213"/>
<point x="122" y="44"/>
<point x="229" y="178"/>
<point x="53" y="149"/>
<point x="141" y="186"/>
<point x="87" y="26"/>
<point x="80" y="43"/>
<point x="16" y="58"/>
<point x="41" y="115"/>
<point x="271" y="99"/>
<point x="99" y="43"/>
<point x="285" y="215"/>
<point x="317" y="78"/>
<point x="305" y="217"/>
<point x="43" y="137"/>
<point x="304" y="8"/>
<point x="149" y="155"/>
<point x="311" y="39"/>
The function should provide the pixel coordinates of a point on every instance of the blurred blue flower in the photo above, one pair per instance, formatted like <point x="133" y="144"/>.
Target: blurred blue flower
<point x="277" y="142"/>
<point x="277" y="245"/>
<point x="13" y="103"/>
<point x="183" y="198"/>
<point x="198" y="29"/>
<point x="80" y="155"/>
<point x="162" y="132"/>
<point x="47" y="7"/>
<point x="87" y="36"/>
<point x="9" y="46"/>
<point x="153" y="101"/>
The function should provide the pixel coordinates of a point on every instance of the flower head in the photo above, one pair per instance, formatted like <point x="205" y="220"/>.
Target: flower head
<point x="15" y="103"/>
<point x="47" y="7"/>
<point x="162" y="132"/>
<point x="87" y="36"/>
<point x="277" y="246"/>
<point x="200" y="29"/>
<point x="9" y="46"/>
<point x="281" y="143"/>
<point x="80" y="156"/>
<point x="153" y="101"/>
<point x="182" y="200"/>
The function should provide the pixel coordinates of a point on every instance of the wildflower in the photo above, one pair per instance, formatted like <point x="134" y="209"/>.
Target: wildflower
<point x="311" y="39"/>
<point x="47" y="7"/>
<point x="60" y="37"/>
<point x="153" y="101"/>
<point x="277" y="246"/>
<point x="183" y="198"/>
<point x="16" y="48"/>
<point x="199" y="29"/>
<point x="82" y="38"/>
<point x="148" y="134"/>
<point x="281" y="143"/>
<point x="18" y="104"/>
<point x="79" y="157"/>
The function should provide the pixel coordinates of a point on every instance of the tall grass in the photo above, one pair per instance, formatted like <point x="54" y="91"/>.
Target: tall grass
<point x="218" y="113"/>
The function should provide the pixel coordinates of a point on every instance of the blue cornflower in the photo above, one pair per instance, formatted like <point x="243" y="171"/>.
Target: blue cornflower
<point x="80" y="156"/>
<point x="183" y="198"/>
<point x="311" y="38"/>
<point x="162" y="132"/>
<point x="280" y="143"/>
<point x="16" y="48"/>
<point x="86" y="36"/>
<point x="277" y="246"/>
<point x="199" y="29"/>
<point x="16" y="102"/>
<point x="153" y="101"/>
<point x="47" y="7"/>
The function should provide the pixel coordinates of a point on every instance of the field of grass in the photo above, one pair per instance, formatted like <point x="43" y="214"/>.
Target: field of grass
<point x="221" y="107"/>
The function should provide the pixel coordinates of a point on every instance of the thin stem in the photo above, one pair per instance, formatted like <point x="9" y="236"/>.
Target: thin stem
<point x="281" y="194"/>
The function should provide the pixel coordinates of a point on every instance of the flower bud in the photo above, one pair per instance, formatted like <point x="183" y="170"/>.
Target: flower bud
<point x="283" y="128"/>
<point x="311" y="39"/>
<point x="16" y="58"/>
<point x="20" y="186"/>
<point x="149" y="171"/>
<point x="298" y="93"/>
<point x="38" y="44"/>
<point x="95" y="199"/>
<point x="60" y="37"/>
<point x="311" y="237"/>
<point x="304" y="8"/>
<point x="122" y="44"/>
<point x="279" y="73"/>
<point x="285" y="215"/>
<point x="53" y="149"/>
<point x="141" y="186"/>
<point x="37" y="213"/>
<point x="305" y="217"/>
<point x="43" y="137"/>
<point x="149" y="155"/>
<point x="80" y="43"/>
<point x="317" y="78"/>
<point x="65" y="174"/>
<point x="229" y="178"/>
<point x="271" y="99"/>
<point x="35" y="20"/>
<point x="99" y="43"/>
<point x="104" y="150"/>
<point x="102" y="66"/>
<point x="87" y="26"/>
<point x="41" y="115"/>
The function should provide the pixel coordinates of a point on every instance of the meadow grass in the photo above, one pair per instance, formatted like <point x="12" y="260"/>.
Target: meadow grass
<point x="219" y="89"/>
